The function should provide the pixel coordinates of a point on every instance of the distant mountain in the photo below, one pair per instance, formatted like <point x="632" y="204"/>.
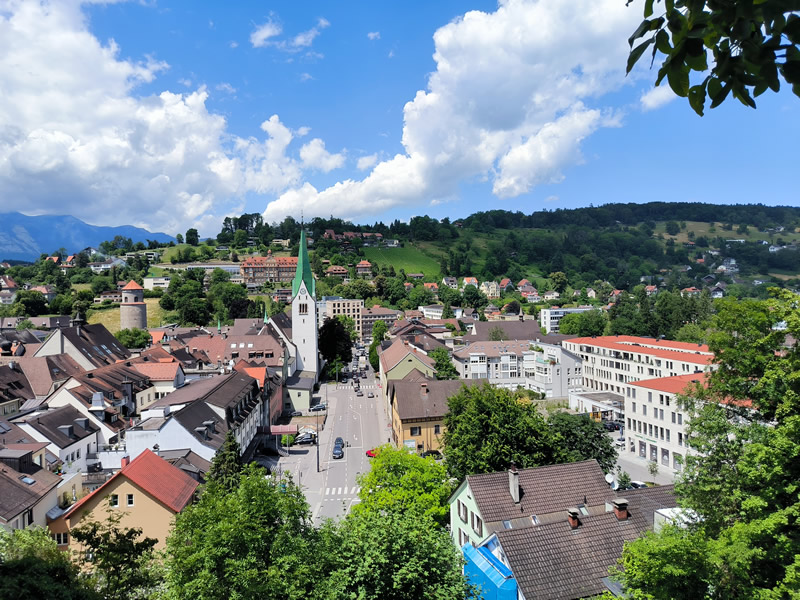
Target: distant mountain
<point x="26" y="238"/>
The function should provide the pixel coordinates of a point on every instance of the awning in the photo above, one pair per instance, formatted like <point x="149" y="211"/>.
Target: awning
<point x="283" y="429"/>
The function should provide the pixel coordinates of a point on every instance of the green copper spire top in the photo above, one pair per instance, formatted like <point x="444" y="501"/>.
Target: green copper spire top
<point x="303" y="272"/>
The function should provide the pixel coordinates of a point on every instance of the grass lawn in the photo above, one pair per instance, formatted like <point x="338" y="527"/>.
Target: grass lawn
<point x="700" y="228"/>
<point x="81" y="286"/>
<point x="110" y="317"/>
<point x="410" y="259"/>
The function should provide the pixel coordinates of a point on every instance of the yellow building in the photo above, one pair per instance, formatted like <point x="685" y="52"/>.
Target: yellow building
<point x="418" y="409"/>
<point x="148" y="492"/>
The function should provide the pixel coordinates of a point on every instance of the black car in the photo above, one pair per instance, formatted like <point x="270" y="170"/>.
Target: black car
<point x="305" y="438"/>
<point x="611" y="426"/>
<point x="296" y="413"/>
<point x="338" y="452"/>
<point x="318" y="407"/>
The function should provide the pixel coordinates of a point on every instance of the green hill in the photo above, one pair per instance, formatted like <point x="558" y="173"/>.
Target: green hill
<point x="410" y="259"/>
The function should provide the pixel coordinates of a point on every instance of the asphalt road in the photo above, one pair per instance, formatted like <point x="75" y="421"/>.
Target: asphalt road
<point x="362" y="423"/>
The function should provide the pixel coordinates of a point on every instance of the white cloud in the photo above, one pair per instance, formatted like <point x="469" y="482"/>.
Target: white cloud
<point x="315" y="156"/>
<point x="260" y="37"/>
<point x="366" y="162"/>
<point x="305" y="77"/>
<point x="657" y="97"/>
<point x="233" y="44"/>
<point x="374" y="35"/>
<point x="551" y="199"/>
<point x="306" y="38"/>
<point x="302" y="131"/>
<point x="225" y="87"/>
<point x="185" y="82"/>
<point x="77" y="136"/>
<point x="513" y="95"/>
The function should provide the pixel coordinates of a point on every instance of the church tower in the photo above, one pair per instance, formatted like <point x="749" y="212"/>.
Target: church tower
<point x="304" y="313"/>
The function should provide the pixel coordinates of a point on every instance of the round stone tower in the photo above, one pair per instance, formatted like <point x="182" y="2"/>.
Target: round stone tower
<point x="133" y="310"/>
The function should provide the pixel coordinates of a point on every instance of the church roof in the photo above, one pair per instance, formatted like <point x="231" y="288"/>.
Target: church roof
<point x="303" y="273"/>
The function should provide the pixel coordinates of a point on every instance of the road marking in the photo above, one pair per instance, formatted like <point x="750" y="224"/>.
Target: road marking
<point x="327" y="491"/>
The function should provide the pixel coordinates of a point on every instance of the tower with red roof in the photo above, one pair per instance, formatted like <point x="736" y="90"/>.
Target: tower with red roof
<point x="133" y="310"/>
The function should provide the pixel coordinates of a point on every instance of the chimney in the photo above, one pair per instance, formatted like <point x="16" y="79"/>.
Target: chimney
<point x="126" y="460"/>
<point x="424" y="387"/>
<point x="202" y="432"/>
<point x="621" y="509"/>
<point x="572" y="517"/>
<point x="513" y="483"/>
<point x="12" y="365"/>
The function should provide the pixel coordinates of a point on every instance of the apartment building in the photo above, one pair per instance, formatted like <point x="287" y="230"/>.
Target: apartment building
<point x="611" y="362"/>
<point x="370" y="316"/>
<point x="655" y="422"/>
<point x="335" y="306"/>
<point x="549" y="318"/>
<point x="544" y="368"/>
<point x="261" y="269"/>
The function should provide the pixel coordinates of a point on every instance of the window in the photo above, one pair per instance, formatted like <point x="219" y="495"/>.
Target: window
<point x="130" y="499"/>
<point x="78" y="453"/>
<point x="650" y="395"/>
<point x="303" y="309"/>
<point x="506" y="524"/>
<point x="644" y="410"/>
<point x="673" y="417"/>
<point x="114" y="500"/>
<point x="437" y="429"/>
<point x="463" y="538"/>
<point x="415" y="431"/>
<point x="633" y="405"/>
<point x="680" y="439"/>
<point x="680" y="419"/>
<point x="62" y="539"/>
<point x="477" y="524"/>
<point x="462" y="511"/>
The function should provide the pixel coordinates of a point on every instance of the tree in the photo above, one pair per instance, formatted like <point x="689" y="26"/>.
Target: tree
<point x="753" y="46"/>
<point x="559" y="281"/>
<point x="119" y="562"/>
<point x="25" y="324"/>
<point x="400" y="480"/>
<point x="29" y="303"/>
<point x="486" y="429"/>
<point x="32" y="568"/>
<point x="133" y="338"/>
<point x="623" y="479"/>
<point x="334" y="341"/>
<point x="179" y="238"/>
<point x="240" y="239"/>
<point x="192" y="237"/>
<point x="584" y="324"/>
<point x="740" y="481"/>
<point x="672" y="228"/>
<point x="255" y="541"/>
<point x="652" y="468"/>
<point x="445" y="369"/>
<point x="226" y="466"/>
<point x="349" y="326"/>
<point x="474" y="298"/>
<point x="394" y="556"/>
<point x="497" y="334"/>
<point x="580" y="438"/>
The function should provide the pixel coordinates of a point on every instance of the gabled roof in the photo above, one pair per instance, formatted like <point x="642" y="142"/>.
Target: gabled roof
<point x="47" y="424"/>
<point x="22" y="491"/>
<point x="398" y="351"/>
<point x="543" y="490"/>
<point x="158" y="371"/>
<point x="95" y="343"/>
<point x="679" y="384"/>
<point x="425" y="399"/>
<point x="155" y="476"/>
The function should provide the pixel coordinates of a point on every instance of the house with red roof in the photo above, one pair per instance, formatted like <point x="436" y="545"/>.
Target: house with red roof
<point x="364" y="268"/>
<point x="147" y="492"/>
<point x="470" y="281"/>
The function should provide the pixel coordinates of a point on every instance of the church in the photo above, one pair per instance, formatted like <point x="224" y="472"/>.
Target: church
<point x="300" y="336"/>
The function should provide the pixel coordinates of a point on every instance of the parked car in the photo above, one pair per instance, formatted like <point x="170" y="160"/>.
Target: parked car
<point x="373" y="452"/>
<point x="370" y="395"/>
<point x="359" y="393"/>
<point x="338" y="442"/>
<point x="338" y="452"/>
<point x="305" y="438"/>
<point x="638" y="484"/>
<point x="611" y="426"/>
<point x="296" y="413"/>
<point x="619" y="443"/>
<point x="318" y="407"/>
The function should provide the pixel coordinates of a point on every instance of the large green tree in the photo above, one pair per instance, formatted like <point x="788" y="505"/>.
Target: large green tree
<point x="133" y="338"/>
<point x="226" y="466"/>
<point x="740" y="483"/>
<point x="335" y="342"/>
<point x="584" y="324"/>
<point x="445" y="369"/>
<point x="487" y="428"/>
<point x="753" y="46"/>
<point x="401" y="481"/>
<point x="580" y="438"/>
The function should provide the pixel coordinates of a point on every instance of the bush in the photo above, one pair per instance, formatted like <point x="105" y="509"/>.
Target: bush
<point x="287" y="440"/>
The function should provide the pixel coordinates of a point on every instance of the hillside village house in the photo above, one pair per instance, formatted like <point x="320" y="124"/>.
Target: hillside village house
<point x="490" y="289"/>
<point x="397" y="359"/>
<point x="147" y="492"/>
<point x="364" y="268"/>
<point x="470" y="281"/>
<point x="450" y="282"/>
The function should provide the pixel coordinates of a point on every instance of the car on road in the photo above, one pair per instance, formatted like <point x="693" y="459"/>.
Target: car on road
<point x="359" y="393"/>
<point x="318" y="407"/>
<point x="370" y="395"/>
<point x="338" y="452"/>
<point x="611" y="426"/>
<point x="344" y="379"/>
<point x="296" y="413"/>
<point x="373" y="452"/>
<point x="338" y="442"/>
<point x="619" y="443"/>
<point x="638" y="485"/>
<point x="305" y="438"/>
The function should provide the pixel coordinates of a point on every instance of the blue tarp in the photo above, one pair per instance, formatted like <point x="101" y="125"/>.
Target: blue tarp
<point x="495" y="580"/>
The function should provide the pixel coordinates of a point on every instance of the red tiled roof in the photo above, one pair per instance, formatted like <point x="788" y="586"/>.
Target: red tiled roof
<point x="364" y="263"/>
<point x="667" y="349"/>
<point x="395" y="353"/>
<point x="678" y="384"/>
<point x="167" y="484"/>
<point x="160" y="371"/>
<point x="132" y="285"/>
<point x="157" y="335"/>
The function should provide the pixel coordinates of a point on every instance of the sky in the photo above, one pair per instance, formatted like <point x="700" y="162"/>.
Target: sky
<point x="170" y="115"/>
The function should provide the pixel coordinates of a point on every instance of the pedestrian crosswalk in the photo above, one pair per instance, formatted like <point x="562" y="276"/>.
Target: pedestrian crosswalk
<point x="342" y="491"/>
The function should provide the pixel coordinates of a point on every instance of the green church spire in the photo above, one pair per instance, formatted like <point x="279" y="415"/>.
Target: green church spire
<point x="303" y="272"/>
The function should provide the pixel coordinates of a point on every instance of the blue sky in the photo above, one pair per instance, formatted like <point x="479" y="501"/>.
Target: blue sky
<point x="175" y="114"/>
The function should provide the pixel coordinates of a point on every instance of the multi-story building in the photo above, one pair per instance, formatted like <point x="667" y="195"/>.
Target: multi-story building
<point x="364" y="268"/>
<point x="370" y="316"/>
<point x="262" y="269"/>
<point x="655" y="421"/>
<point x="549" y="318"/>
<point x="346" y="307"/>
<point x="611" y="362"/>
<point x="544" y="368"/>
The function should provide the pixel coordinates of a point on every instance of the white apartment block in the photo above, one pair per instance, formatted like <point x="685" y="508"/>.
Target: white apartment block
<point x="549" y="318"/>
<point x="544" y="368"/>
<point x="655" y="425"/>
<point x="611" y="362"/>
<point x="332" y="307"/>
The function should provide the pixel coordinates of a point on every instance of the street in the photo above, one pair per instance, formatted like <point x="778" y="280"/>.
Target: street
<point x="362" y="423"/>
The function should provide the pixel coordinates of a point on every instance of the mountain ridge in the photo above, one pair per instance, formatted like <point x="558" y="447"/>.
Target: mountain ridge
<point x="24" y="237"/>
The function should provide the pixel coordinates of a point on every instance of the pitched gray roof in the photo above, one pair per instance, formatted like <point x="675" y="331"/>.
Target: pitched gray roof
<point x="514" y="330"/>
<point x="47" y="423"/>
<point x="425" y="399"/>
<point x="543" y="490"/>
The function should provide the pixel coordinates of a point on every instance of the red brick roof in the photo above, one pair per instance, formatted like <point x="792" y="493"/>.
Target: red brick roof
<point x="132" y="285"/>
<point x="167" y="484"/>
<point x="678" y="384"/>
<point x="159" y="371"/>
<point x="667" y="349"/>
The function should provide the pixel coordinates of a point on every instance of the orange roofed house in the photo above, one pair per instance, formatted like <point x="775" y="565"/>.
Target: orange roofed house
<point x="274" y="269"/>
<point x="148" y="492"/>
